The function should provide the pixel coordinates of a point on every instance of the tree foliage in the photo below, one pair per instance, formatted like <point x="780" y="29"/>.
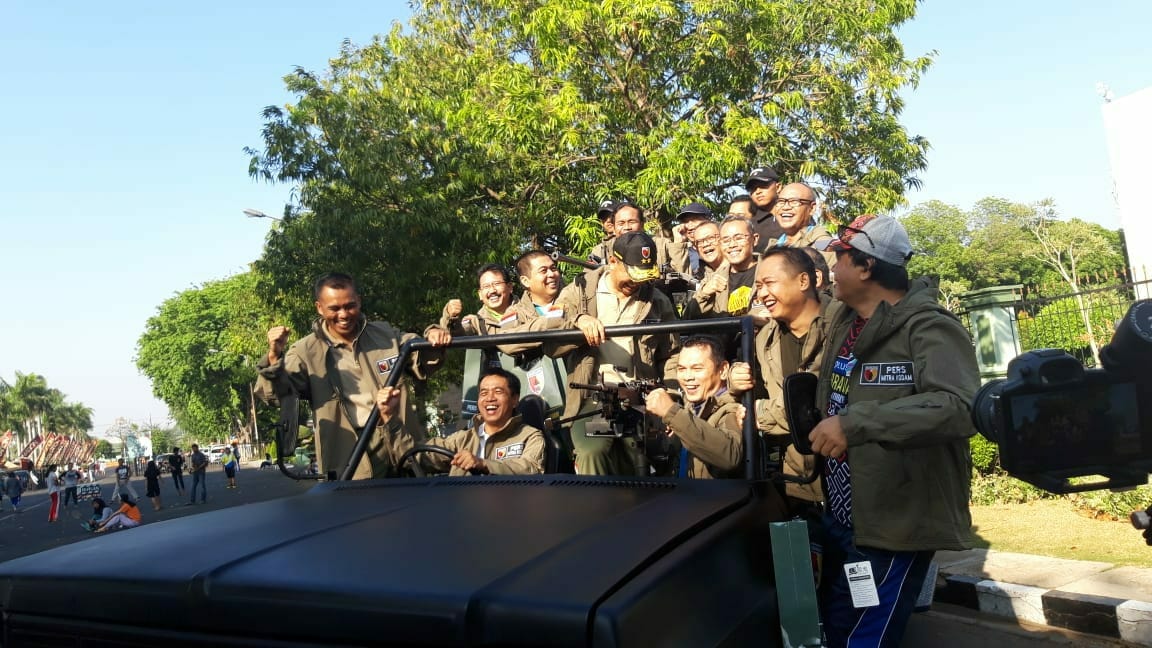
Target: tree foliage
<point x="999" y="242"/>
<point x="29" y="407"/>
<point x="488" y="125"/>
<point x="200" y="351"/>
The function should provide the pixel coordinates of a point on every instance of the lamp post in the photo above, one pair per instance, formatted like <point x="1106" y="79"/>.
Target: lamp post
<point x="256" y="213"/>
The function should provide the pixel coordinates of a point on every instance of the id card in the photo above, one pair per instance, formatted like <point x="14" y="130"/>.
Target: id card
<point x="861" y="584"/>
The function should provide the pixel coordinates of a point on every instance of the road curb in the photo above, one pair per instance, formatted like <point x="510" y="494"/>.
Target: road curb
<point x="1123" y="619"/>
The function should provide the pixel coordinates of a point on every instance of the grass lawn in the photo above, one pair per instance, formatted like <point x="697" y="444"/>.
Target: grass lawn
<point x="1054" y="528"/>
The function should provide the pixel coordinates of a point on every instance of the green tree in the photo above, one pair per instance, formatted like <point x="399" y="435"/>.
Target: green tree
<point x="200" y="352"/>
<point x="104" y="449"/>
<point x="490" y="125"/>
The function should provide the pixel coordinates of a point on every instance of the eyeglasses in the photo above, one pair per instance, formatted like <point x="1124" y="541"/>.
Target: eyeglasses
<point x="492" y="286"/>
<point x="847" y="233"/>
<point x="708" y="240"/>
<point x="739" y="238"/>
<point x="792" y="202"/>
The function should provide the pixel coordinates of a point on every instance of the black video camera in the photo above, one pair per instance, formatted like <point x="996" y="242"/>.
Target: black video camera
<point x="1054" y="420"/>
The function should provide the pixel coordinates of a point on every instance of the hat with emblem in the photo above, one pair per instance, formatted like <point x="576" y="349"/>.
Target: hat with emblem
<point x="761" y="175"/>
<point x="606" y="209"/>
<point x="637" y="251"/>
<point x="880" y="236"/>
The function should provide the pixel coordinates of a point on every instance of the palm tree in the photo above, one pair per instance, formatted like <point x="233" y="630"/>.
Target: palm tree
<point x="31" y="400"/>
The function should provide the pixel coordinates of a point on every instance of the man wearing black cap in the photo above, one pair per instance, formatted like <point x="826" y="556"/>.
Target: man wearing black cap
<point x="763" y="185"/>
<point x="897" y="379"/>
<point x="604" y="248"/>
<point x="616" y="294"/>
<point x="691" y="216"/>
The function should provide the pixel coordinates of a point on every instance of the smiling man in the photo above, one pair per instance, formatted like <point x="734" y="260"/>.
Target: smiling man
<point x="897" y="379"/>
<point x="708" y="424"/>
<point x="791" y="342"/>
<point x="794" y="209"/>
<point x="496" y="443"/>
<point x="728" y="293"/>
<point x="338" y="367"/>
<point x="495" y="293"/>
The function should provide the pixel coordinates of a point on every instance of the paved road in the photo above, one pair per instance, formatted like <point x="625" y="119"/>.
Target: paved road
<point x="29" y="531"/>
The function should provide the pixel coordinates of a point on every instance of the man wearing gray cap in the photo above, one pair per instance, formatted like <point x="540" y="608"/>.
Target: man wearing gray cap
<point x="897" y="378"/>
<point x="763" y="184"/>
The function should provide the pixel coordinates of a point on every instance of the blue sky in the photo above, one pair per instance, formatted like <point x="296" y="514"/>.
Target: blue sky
<point x="122" y="175"/>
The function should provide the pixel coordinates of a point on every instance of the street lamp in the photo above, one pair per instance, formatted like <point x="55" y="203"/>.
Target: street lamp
<point x="256" y="213"/>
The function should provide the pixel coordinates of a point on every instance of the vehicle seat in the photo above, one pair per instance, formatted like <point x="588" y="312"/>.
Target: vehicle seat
<point x="532" y="410"/>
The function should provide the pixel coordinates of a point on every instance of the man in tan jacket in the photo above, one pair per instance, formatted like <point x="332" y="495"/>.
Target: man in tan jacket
<point x="496" y="443"/>
<point x="338" y="367"/>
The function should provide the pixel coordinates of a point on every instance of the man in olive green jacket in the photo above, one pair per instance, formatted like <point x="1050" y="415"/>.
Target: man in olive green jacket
<point x="896" y="383"/>
<point x="791" y="342"/>
<point x="708" y="425"/>
<point x="616" y="294"/>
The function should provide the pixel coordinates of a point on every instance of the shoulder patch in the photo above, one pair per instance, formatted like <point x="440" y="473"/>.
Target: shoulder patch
<point x="386" y="365"/>
<point x="887" y="373"/>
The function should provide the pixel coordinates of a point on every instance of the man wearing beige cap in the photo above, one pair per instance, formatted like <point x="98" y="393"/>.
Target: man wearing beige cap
<point x="897" y="378"/>
<point x="616" y="294"/>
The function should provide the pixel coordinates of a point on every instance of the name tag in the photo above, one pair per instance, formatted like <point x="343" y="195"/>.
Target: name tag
<point x="887" y="373"/>
<point x="510" y="451"/>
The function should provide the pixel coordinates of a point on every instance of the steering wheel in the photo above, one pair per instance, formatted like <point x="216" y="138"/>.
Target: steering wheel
<point x="416" y="468"/>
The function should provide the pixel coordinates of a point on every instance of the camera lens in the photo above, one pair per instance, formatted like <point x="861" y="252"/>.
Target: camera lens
<point x="986" y="410"/>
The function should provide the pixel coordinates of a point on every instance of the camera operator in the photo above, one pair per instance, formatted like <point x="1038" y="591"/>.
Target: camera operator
<point x="708" y="425"/>
<point x="615" y="294"/>
<point x="896" y="384"/>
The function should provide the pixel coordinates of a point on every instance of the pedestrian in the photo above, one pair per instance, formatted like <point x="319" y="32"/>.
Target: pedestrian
<point x="236" y="454"/>
<point x="100" y="513"/>
<point x="176" y="465"/>
<point x="152" y="483"/>
<point x="53" y="482"/>
<point x="14" y="490"/>
<point x="229" y="461"/>
<point x="127" y="517"/>
<point x="199" y="473"/>
<point x="71" y="479"/>
<point x="124" y="482"/>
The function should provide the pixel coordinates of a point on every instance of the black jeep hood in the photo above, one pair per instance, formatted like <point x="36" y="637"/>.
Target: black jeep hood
<point x="547" y="560"/>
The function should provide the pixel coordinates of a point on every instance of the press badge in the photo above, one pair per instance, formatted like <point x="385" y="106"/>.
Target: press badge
<point x="861" y="584"/>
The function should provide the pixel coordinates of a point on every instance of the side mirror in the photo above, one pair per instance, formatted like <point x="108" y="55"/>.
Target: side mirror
<point x="800" y="406"/>
<point x="288" y="428"/>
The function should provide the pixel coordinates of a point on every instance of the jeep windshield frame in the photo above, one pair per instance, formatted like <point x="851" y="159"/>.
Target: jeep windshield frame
<point x="745" y="326"/>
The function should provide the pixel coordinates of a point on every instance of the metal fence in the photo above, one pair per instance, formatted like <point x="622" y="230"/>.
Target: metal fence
<point x="1078" y="322"/>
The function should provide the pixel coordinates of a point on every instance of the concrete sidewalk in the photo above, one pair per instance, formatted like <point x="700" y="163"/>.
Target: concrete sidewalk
<point x="1091" y="597"/>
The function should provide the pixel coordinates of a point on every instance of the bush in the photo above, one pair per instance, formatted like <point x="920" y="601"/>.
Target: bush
<point x="1000" y="488"/>
<point x="1118" y="506"/>
<point x="985" y="455"/>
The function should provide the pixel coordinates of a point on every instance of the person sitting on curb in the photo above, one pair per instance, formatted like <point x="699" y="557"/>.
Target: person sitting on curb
<point x="127" y="517"/>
